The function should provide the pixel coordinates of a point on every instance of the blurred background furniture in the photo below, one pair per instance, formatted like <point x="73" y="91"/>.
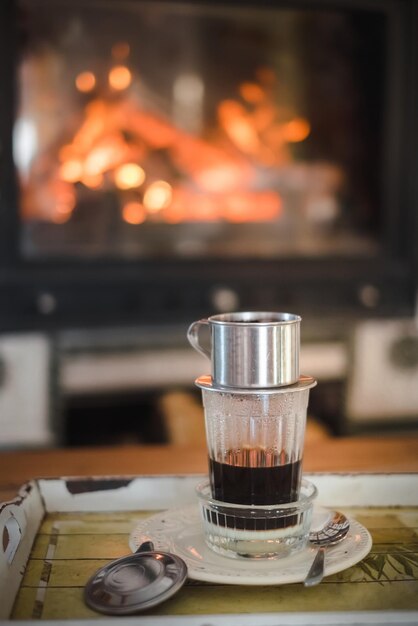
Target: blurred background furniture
<point x="150" y="178"/>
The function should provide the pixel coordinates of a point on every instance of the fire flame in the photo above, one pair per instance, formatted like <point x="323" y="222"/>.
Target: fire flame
<point x="173" y="175"/>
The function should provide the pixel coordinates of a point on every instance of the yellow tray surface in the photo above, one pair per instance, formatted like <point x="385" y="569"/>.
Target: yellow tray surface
<point x="70" y="547"/>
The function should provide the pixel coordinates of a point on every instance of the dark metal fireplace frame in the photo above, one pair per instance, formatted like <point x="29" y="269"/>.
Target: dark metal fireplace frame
<point x="62" y="294"/>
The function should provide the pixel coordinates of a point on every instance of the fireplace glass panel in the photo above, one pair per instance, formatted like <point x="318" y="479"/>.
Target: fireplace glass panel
<point x="150" y="130"/>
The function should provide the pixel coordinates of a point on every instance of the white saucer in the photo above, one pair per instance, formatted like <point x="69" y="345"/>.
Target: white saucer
<point x="180" y="531"/>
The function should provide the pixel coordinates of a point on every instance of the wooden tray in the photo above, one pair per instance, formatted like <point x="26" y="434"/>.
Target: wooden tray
<point x="57" y="532"/>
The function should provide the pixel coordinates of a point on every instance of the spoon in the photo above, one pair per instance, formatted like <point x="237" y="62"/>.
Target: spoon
<point x="333" y="532"/>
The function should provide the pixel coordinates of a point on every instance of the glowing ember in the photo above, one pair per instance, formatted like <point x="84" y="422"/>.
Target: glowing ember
<point x="296" y="130"/>
<point x="99" y="160"/>
<point x="238" y="126"/>
<point x="94" y="127"/>
<point x="105" y="155"/>
<point x="133" y="213"/>
<point x="220" y="178"/>
<point x="129" y="176"/>
<point x="189" y="206"/>
<point x="251" y="207"/>
<point x="251" y="92"/>
<point x="120" y="78"/>
<point x="93" y="181"/>
<point x="71" y="171"/>
<point x="85" y="82"/>
<point x="157" y="196"/>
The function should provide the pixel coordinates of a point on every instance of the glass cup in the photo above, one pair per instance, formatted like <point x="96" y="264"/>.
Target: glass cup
<point x="255" y="442"/>
<point x="272" y="531"/>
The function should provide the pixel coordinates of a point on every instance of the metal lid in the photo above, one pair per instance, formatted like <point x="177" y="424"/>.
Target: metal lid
<point x="136" y="582"/>
<point x="206" y="382"/>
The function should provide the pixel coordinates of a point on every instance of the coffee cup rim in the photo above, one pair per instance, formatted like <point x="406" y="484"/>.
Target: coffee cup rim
<point x="239" y="317"/>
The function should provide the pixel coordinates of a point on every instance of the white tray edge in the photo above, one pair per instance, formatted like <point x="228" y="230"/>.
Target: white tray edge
<point x="351" y="618"/>
<point x="162" y="492"/>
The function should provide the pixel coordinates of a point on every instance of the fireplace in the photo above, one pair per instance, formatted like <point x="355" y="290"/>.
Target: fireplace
<point x="163" y="160"/>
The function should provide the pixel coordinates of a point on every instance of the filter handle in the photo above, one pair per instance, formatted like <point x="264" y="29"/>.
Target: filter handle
<point x="193" y="337"/>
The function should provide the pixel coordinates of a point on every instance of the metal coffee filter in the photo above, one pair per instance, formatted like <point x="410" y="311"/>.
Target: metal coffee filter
<point x="251" y="349"/>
